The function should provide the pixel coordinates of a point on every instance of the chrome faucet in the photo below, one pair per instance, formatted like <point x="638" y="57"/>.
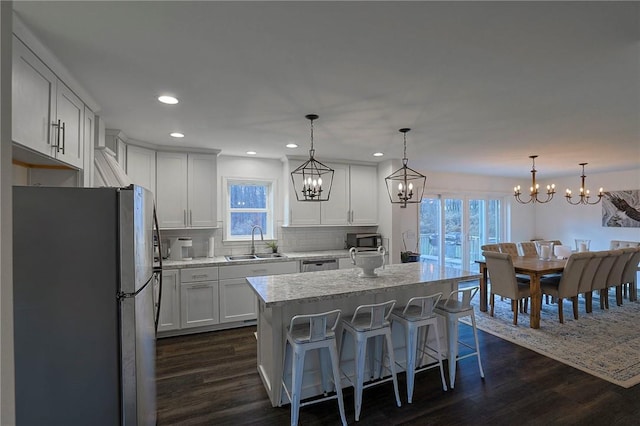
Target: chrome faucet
<point x="253" y="234"/>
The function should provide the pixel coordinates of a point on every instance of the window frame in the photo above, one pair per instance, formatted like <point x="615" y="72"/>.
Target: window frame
<point x="269" y="232"/>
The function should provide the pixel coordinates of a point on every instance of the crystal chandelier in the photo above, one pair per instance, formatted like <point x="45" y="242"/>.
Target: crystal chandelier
<point x="534" y="189"/>
<point x="584" y="193"/>
<point x="312" y="180"/>
<point x="405" y="183"/>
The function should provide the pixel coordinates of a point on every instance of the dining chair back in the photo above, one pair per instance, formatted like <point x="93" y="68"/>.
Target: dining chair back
<point x="615" y="278"/>
<point x="490" y="247"/>
<point x="528" y="249"/>
<point x="586" y="279"/>
<point x="630" y="274"/>
<point x="505" y="282"/>
<point x="565" y="286"/>
<point x="600" y="279"/>
<point x="509" y="248"/>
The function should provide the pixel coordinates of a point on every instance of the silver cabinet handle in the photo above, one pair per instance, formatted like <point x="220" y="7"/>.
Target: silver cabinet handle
<point x="64" y="136"/>
<point x="57" y="126"/>
<point x="256" y="271"/>
<point x="184" y="217"/>
<point x="190" y="217"/>
<point x="200" y="276"/>
<point x="200" y="286"/>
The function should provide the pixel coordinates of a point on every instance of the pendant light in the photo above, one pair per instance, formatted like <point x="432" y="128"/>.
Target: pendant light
<point x="533" y="190"/>
<point x="584" y="192"/>
<point x="312" y="180"/>
<point x="405" y="185"/>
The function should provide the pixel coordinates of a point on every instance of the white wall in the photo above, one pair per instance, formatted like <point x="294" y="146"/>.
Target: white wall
<point x="7" y="393"/>
<point x="560" y="220"/>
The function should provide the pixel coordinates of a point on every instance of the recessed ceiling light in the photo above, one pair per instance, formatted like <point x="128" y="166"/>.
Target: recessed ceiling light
<point x="177" y="135"/>
<point x="291" y="145"/>
<point x="251" y="152"/>
<point x="168" y="100"/>
<point x="378" y="154"/>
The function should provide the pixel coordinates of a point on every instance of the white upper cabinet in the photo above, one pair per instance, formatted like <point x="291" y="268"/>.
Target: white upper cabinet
<point x="336" y="210"/>
<point x="67" y="136"/>
<point x="201" y="186"/>
<point x="47" y="116"/>
<point x="186" y="190"/>
<point x="363" y="184"/>
<point x="141" y="166"/>
<point x="353" y="199"/>
<point x="33" y="103"/>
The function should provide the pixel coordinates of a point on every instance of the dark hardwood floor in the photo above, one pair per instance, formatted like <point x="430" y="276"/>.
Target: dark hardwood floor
<point x="211" y="379"/>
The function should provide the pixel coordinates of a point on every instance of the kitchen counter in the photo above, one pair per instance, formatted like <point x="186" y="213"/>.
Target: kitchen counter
<point x="281" y="297"/>
<point x="278" y="290"/>
<point x="222" y="261"/>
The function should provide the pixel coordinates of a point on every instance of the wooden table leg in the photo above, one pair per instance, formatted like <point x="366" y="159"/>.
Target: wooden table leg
<point x="483" y="287"/>
<point x="536" y="301"/>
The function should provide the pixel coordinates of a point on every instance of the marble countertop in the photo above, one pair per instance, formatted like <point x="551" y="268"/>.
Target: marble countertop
<point x="278" y="290"/>
<point x="222" y="261"/>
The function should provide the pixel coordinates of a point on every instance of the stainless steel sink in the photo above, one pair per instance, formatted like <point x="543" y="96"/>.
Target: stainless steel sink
<point x="258" y="256"/>
<point x="269" y="255"/>
<point x="241" y="257"/>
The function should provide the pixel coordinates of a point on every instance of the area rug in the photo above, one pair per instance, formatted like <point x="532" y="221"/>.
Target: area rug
<point x="605" y="343"/>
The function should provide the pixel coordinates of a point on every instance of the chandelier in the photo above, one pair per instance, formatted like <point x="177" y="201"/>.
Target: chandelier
<point x="312" y="180"/>
<point x="405" y="183"/>
<point x="584" y="193"/>
<point x="534" y="189"/>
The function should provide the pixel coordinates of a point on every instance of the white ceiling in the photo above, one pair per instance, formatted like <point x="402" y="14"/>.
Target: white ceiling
<point x="482" y="85"/>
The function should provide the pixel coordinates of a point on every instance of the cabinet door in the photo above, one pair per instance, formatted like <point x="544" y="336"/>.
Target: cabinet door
<point x="201" y="184"/>
<point x="33" y="100"/>
<point x="238" y="302"/>
<point x="170" y="302"/>
<point x="199" y="304"/>
<point x="141" y="167"/>
<point x="301" y="212"/>
<point x="70" y="112"/>
<point x="336" y="210"/>
<point x="171" y="189"/>
<point x="87" y="141"/>
<point x="363" y="183"/>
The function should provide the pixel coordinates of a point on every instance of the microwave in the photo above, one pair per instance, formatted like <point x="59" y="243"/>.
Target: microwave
<point x="364" y="241"/>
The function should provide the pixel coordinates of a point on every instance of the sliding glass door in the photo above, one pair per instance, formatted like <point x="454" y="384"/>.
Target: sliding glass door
<point x="452" y="229"/>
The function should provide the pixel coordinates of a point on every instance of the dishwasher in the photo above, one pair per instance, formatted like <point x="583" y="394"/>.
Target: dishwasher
<point x="318" y="265"/>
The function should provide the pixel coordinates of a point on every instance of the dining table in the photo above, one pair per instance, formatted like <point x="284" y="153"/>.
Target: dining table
<point x="535" y="268"/>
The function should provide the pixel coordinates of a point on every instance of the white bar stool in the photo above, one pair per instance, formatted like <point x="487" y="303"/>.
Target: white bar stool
<point x="306" y="333"/>
<point x="457" y="306"/>
<point x="419" y="313"/>
<point x="370" y="321"/>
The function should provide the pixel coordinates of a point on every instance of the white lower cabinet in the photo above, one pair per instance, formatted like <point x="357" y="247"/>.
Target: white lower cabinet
<point x="199" y="302"/>
<point x="170" y="301"/>
<point x="238" y="302"/>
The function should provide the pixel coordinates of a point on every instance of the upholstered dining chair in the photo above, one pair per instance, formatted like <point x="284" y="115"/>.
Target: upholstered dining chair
<point x="565" y="286"/>
<point x="630" y="274"/>
<point x="509" y="248"/>
<point x="528" y="249"/>
<point x="490" y="247"/>
<point x="616" y="276"/>
<point x="504" y="282"/>
<point x="601" y="278"/>
<point x="585" y="286"/>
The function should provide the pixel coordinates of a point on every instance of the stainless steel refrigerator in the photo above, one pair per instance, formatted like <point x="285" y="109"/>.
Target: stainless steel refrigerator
<point x="83" y="306"/>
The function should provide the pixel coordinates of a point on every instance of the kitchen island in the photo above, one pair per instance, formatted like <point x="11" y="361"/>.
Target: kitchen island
<point x="281" y="297"/>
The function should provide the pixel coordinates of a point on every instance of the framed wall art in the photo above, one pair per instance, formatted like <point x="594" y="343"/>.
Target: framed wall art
<point x="621" y="209"/>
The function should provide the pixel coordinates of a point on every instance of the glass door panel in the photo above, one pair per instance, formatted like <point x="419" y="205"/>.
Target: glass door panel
<point x="453" y="232"/>
<point x="429" y="227"/>
<point x="475" y="234"/>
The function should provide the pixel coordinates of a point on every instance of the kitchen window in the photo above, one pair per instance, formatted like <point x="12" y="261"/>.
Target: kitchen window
<point x="249" y="203"/>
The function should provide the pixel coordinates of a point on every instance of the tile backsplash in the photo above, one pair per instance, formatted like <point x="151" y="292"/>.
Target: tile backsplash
<point x="290" y="239"/>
